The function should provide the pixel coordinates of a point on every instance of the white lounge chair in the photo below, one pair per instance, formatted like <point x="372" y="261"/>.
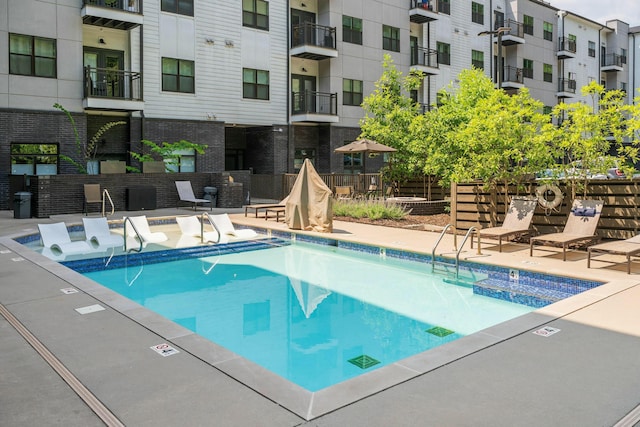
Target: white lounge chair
<point x="185" y="193"/>
<point x="223" y="224"/>
<point x="99" y="236"/>
<point x="141" y="230"/>
<point x="57" y="242"/>
<point x="190" y="226"/>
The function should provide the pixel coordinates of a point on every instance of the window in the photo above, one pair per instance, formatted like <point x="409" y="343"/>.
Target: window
<point x="183" y="7"/>
<point x="592" y="49"/>
<point x="477" y="59"/>
<point x="444" y="53"/>
<point x="178" y="75"/>
<point x="255" y="13"/>
<point x="255" y="84"/>
<point x="352" y="162"/>
<point x="547" y="73"/>
<point x="477" y="13"/>
<point x="572" y="41"/>
<point x="32" y="56"/>
<point x="351" y="92"/>
<point x="181" y="161"/>
<point x="527" y="24"/>
<point x="547" y="31"/>
<point x="301" y="155"/>
<point x="444" y="6"/>
<point x="34" y="159"/>
<point x="351" y="30"/>
<point x="623" y="54"/>
<point x="527" y="68"/>
<point x="623" y="86"/>
<point x="390" y="38"/>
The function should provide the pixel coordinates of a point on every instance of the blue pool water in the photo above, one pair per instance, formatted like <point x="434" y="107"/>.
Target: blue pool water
<point x="314" y="315"/>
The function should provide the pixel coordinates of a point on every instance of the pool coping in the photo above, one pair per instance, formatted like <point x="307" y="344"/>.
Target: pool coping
<point x="301" y="402"/>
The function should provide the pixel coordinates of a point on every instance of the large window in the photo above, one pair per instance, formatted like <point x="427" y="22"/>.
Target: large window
<point x="477" y="13"/>
<point x="352" y="162"/>
<point x="527" y="68"/>
<point x="547" y="73"/>
<point x="255" y="84"/>
<point x="32" y="56"/>
<point x="34" y="159"/>
<point x="351" y="92"/>
<point x="183" y="7"/>
<point x="444" y="6"/>
<point x="178" y="75"/>
<point x="477" y="59"/>
<point x="444" y="53"/>
<point x="390" y="38"/>
<point x="181" y="161"/>
<point x="255" y="13"/>
<point x="351" y="30"/>
<point x="527" y="24"/>
<point x="302" y="154"/>
<point x="592" y="49"/>
<point x="547" y="31"/>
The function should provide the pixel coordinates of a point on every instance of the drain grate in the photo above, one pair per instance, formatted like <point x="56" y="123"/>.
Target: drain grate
<point x="439" y="331"/>
<point x="364" y="361"/>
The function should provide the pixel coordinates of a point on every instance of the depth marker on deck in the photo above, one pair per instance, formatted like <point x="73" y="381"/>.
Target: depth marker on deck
<point x="164" y="350"/>
<point x="547" y="331"/>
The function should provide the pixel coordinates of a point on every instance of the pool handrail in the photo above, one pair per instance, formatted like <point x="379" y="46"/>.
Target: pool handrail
<point x="125" y="220"/>
<point x="213" y="224"/>
<point x="455" y="245"/>
<point x="433" y="250"/>
<point x="466" y="236"/>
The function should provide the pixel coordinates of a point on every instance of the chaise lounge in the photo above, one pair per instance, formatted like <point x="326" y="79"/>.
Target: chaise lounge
<point x="629" y="248"/>
<point x="516" y="222"/>
<point x="185" y="194"/>
<point x="57" y="241"/>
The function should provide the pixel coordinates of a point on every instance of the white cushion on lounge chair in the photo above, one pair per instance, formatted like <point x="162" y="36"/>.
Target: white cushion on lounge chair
<point x="142" y="227"/>
<point x="55" y="237"/>
<point x="190" y="226"/>
<point x="98" y="234"/>
<point x="223" y="223"/>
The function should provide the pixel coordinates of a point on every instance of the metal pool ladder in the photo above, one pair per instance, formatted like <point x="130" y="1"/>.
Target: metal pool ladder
<point x="140" y="239"/>
<point x="455" y="247"/>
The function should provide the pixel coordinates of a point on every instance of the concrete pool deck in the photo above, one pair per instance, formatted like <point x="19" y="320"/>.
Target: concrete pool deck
<point x="587" y="374"/>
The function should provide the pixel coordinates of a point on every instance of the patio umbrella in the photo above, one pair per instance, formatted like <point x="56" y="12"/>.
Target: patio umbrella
<point x="364" y="146"/>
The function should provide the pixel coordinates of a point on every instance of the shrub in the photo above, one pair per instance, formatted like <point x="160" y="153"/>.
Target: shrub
<point x="372" y="209"/>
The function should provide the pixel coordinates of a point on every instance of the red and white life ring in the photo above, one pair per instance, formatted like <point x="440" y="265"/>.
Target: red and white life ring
<point x="541" y="193"/>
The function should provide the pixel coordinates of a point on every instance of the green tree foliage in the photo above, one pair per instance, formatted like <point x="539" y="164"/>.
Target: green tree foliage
<point x="169" y="152"/>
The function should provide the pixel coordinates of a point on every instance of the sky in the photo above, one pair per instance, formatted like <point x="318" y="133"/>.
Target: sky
<point x="601" y="11"/>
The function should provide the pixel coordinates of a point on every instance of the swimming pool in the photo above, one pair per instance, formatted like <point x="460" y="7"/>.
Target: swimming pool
<point x="319" y="315"/>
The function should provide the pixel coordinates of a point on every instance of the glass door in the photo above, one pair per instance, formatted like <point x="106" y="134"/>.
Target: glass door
<point x="304" y="93"/>
<point x="106" y="72"/>
<point x="301" y="34"/>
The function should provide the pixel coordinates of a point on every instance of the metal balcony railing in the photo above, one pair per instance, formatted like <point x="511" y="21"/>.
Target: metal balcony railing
<point x="109" y="83"/>
<point x="126" y="5"/>
<point x="566" y="85"/>
<point x="566" y="44"/>
<point x="310" y="102"/>
<point x="512" y="75"/>
<point x="424" y="56"/>
<point x="312" y="34"/>
<point x="612" y="59"/>
<point x="517" y="28"/>
<point x="430" y="5"/>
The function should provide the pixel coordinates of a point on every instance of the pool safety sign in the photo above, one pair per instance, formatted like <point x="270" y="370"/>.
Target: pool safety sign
<point x="164" y="350"/>
<point x="547" y="331"/>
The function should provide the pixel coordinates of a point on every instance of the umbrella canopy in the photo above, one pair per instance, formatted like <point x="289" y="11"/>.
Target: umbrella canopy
<point x="365" y="146"/>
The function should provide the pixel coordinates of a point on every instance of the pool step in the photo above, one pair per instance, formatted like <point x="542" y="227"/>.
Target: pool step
<point x="513" y="291"/>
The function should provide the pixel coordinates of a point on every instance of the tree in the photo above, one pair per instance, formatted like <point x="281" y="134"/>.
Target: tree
<point x="169" y="152"/>
<point x="389" y="113"/>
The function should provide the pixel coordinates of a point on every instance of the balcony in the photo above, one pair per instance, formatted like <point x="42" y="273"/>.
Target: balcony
<point x="421" y="11"/>
<point x="512" y="78"/>
<point x="116" y="14"/>
<point x="425" y="61"/>
<point x="313" y="41"/>
<point x="566" y="88"/>
<point x="566" y="48"/>
<point x="611" y="62"/>
<point x="315" y="107"/>
<point x="514" y="36"/>
<point x="113" y="90"/>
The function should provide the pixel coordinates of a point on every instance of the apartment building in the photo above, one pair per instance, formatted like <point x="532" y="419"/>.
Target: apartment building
<point x="264" y="84"/>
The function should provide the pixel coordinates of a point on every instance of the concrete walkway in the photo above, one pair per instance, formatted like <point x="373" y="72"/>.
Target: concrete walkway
<point x="585" y="375"/>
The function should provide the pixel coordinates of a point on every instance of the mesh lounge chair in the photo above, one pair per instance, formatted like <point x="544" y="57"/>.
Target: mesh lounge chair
<point x="580" y="227"/>
<point x="629" y="248"/>
<point x="223" y="224"/>
<point x="516" y="222"/>
<point x="99" y="236"/>
<point x="190" y="226"/>
<point x="56" y="240"/>
<point x="144" y="233"/>
<point x="185" y="193"/>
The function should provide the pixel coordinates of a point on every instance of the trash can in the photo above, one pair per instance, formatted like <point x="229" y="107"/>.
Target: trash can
<point x="22" y="205"/>
<point x="211" y="193"/>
